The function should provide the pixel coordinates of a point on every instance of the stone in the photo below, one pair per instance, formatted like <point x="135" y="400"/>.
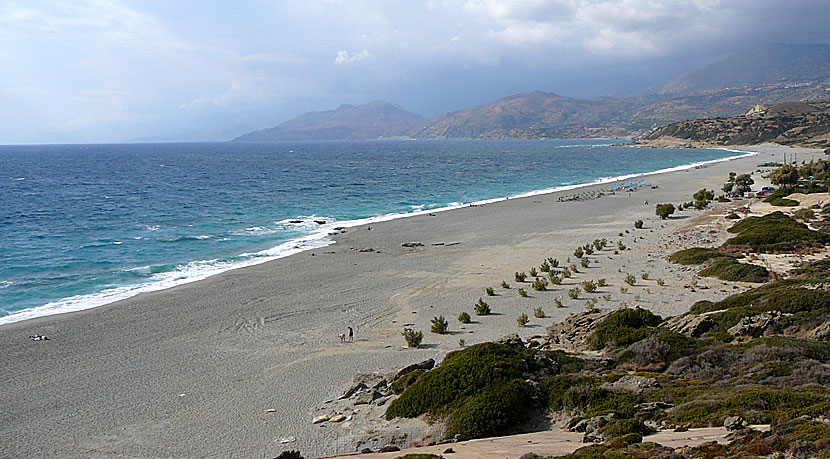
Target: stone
<point x="449" y="451"/>
<point x="572" y="334"/>
<point x="366" y="397"/>
<point x="389" y="449"/>
<point x="693" y="325"/>
<point x="412" y="244"/>
<point x="288" y="439"/>
<point x="319" y="419"/>
<point x="337" y="418"/>
<point x="512" y="339"/>
<point x="382" y="400"/>
<point x="352" y="390"/>
<point x="632" y="383"/>
<point x="733" y="423"/>
<point x="822" y="332"/>
<point x="759" y="325"/>
<point x="366" y="451"/>
<point x="426" y="365"/>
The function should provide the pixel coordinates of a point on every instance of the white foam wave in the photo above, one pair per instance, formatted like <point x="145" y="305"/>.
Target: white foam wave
<point x="5" y="284"/>
<point x="320" y="237"/>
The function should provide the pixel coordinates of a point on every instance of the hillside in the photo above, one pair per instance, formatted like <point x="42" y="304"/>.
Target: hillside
<point x="773" y="63"/>
<point x="542" y="115"/>
<point x="789" y="123"/>
<point x="373" y="120"/>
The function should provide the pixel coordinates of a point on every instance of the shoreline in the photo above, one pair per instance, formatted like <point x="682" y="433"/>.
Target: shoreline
<point x="195" y="369"/>
<point x="323" y="237"/>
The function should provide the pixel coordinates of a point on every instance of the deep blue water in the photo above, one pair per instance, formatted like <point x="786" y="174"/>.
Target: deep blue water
<point x="83" y="225"/>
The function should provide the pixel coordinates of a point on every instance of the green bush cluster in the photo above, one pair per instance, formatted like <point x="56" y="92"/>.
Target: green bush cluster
<point x="623" y="327"/>
<point x="775" y="232"/>
<point x="730" y="269"/>
<point x="695" y="255"/>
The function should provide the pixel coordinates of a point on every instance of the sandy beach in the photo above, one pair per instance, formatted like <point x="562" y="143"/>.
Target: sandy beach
<point x="236" y="364"/>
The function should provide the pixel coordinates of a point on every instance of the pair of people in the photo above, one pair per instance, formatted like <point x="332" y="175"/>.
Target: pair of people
<point x="343" y="336"/>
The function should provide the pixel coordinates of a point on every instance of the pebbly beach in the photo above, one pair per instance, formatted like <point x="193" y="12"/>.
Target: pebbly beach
<point x="238" y="364"/>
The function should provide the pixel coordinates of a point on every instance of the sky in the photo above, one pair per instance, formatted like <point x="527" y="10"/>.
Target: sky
<point x="187" y="70"/>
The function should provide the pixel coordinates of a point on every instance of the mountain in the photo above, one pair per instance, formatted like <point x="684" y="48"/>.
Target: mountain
<point x="790" y="123"/>
<point x="772" y="63"/>
<point x="373" y="120"/>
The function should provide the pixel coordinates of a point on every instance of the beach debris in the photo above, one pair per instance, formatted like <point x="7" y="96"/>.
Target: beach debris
<point x="319" y="419"/>
<point x="38" y="337"/>
<point x="412" y="244"/>
<point x="288" y="439"/>
<point x="271" y="410"/>
<point x="337" y="418"/>
<point x="295" y="221"/>
<point x="366" y="250"/>
<point x="182" y="395"/>
<point x="320" y="222"/>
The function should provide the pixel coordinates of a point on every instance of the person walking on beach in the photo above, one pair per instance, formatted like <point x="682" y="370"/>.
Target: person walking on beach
<point x="351" y="334"/>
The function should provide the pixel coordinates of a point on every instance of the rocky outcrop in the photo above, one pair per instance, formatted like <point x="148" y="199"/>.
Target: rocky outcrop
<point x="632" y="383"/>
<point x="761" y="325"/>
<point x="572" y="334"/>
<point x="693" y="325"/>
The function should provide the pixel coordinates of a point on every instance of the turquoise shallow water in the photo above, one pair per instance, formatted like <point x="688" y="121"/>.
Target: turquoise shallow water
<point x="84" y="225"/>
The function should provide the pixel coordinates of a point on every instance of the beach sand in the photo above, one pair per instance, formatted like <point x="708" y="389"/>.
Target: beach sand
<point x="194" y="370"/>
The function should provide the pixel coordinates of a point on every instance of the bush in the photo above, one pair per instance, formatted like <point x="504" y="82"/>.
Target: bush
<point x="578" y="252"/>
<point x="558" y="302"/>
<point x="623" y="327"/>
<point x="489" y="291"/>
<point x="584" y="262"/>
<point x="413" y="338"/>
<point x="624" y="427"/>
<point x="574" y="293"/>
<point x="464" y="318"/>
<point x="629" y="279"/>
<point x="480" y="389"/>
<point x="555" y="279"/>
<point x="694" y="256"/>
<point x="291" y="454"/>
<point x="664" y="210"/>
<point x="804" y="214"/>
<point x="439" y="325"/>
<point x="660" y="282"/>
<point x="522" y="293"/>
<point x="523" y="320"/>
<point x="544" y="267"/>
<point x="729" y="269"/>
<point x="589" y="249"/>
<point x="644" y="276"/>
<point x="520" y="277"/>
<point x="774" y="232"/>
<point x="482" y="308"/>
<point x="538" y="313"/>
<point x="638" y="224"/>
<point x="540" y="284"/>
<point x="620" y="245"/>
<point x="566" y="273"/>
<point x="554" y="262"/>
<point x="533" y="272"/>
<point x="601" y="282"/>
<point x="504" y="284"/>
<point x="589" y="286"/>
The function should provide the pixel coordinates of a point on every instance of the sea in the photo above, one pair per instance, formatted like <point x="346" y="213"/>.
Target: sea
<point x="86" y="225"/>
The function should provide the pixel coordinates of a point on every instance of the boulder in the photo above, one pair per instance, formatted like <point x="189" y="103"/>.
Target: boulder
<point x="366" y="397"/>
<point x="319" y="419"/>
<point x="426" y="365"/>
<point x="632" y="383"/>
<point x="759" y="325"/>
<point x="364" y="381"/>
<point x="389" y="449"/>
<point x="733" y="423"/>
<point x="693" y="325"/>
<point x="572" y="334"/>
<point x="511" y="339"/>
<point x="822" y="332"/>
<point x="337" y="418"/>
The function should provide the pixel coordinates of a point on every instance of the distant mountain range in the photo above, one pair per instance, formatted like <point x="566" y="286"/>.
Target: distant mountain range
<point x="374" y="120"/>
<point x="766" y="75"/>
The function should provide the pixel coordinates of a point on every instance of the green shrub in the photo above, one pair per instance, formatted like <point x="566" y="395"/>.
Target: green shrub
<point x="663" y="211"/>
<point x="620" y="245"/>
<point x="622" y="328"/>
<point x="584" y="262"/>
<point x="774" y="232"/>
<point x="482" y="308"/>
<point x="520" y="277"/>
<point x="464" y="318"/>
<point x="601" y="282"/>
<point x="558" y="303"/>
<point x="644" y="276"/>
<point x="573" y="293"/>
<point x="804" y="214"/>
<point x="533" y="272"/>
<point x="504" y="284"/>
<point x="638" y="224"/>
<point x="538" y="313"/>
<point x="554" y="279"/>
<point x="729" y="269"/>
<point x="589" y="249"/>
<point x="578" y="252"/>
<point x="566" y="273"/>
<point x="413" y="338"/>
<point x="480" y="390"/>
<point x="544" y="267"/>
<point x="629" y="279"/>
<point x="440" y="325"/>
<point x="621" y="427"/>
<point x="589" y="286"/>
<point x="573" y="268"/>
<point x="523" y="320"/>
<point x="522" y="293"/>
<point x="489" y="291"/>
<point x="554" y="263"/>
<point x="661" y="282"/>
<point x="694" y="256"/>
<point x="540" y="284"/>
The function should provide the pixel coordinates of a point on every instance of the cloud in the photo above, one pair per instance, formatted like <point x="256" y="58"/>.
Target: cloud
<point x="343" y="57"/>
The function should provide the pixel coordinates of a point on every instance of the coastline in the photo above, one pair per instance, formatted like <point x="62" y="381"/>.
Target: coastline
<point x="191" y="370"/>
<point x="319" y="239"/>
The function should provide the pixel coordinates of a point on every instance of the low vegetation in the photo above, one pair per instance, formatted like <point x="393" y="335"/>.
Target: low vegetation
<point x="412" y="338"/>
<point x="730" y="269"/>
<point x="440" y="325"/>
<point x="482" y="308"/>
